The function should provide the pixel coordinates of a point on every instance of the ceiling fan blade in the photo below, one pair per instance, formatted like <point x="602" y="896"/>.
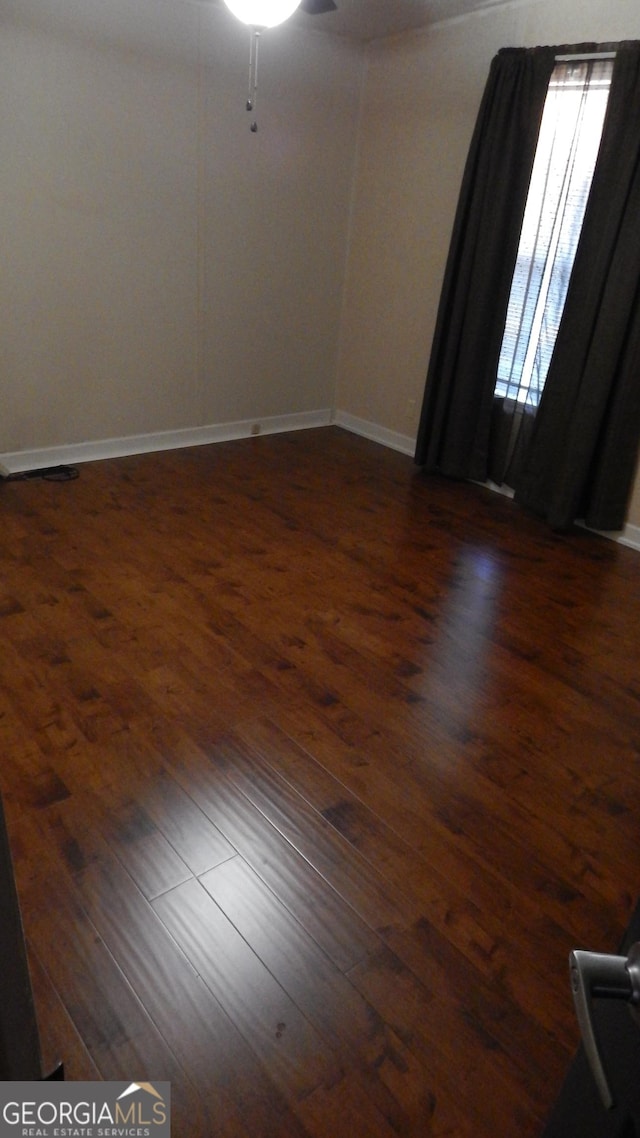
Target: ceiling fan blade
<point x="317" y="7"/>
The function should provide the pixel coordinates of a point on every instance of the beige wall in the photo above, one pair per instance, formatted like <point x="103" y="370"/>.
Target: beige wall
<point x="163" y="267"/>
<point x="420" y="100"/>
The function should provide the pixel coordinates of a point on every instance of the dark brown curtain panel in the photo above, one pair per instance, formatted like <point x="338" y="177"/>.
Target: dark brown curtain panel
<point x="581" y="457"/>
<point x="575" y="455"/>
<point x="458" y="403"/>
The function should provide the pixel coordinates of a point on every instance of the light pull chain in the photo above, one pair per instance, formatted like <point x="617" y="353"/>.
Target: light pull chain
<point x="253" y="75"/>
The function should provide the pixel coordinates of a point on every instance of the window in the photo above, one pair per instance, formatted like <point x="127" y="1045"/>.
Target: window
<point x="566" y="154"/>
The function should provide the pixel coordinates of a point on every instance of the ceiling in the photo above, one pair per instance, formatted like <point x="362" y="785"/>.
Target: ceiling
<point x="373" y="19"/>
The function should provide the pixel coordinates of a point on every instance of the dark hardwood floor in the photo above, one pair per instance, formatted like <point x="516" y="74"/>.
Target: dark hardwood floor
<point x="315" y="769"/>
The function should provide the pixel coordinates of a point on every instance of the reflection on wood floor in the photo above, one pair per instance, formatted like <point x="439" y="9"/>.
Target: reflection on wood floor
<point x="315" y="769"/>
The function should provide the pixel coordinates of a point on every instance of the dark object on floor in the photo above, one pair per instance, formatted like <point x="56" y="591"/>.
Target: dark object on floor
<point x="48" y="473"/>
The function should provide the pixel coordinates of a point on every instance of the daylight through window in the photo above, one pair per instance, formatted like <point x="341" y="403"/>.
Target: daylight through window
<point x="565" y="159"/>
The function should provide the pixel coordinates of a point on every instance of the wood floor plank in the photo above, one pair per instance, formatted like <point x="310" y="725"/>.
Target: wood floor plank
<point x="105" y="1010"/>
<point x="60" y="1040"/>
<point x="187" y="829"/>
<point x="333" y="923"/>
<point x="139" y="844"/>
<point x="419" y="1017"/>
<point x="460" y="893"/>
<point x="287" y="1045"/>
<point x="344" y="1109"/>
<point x="444" y="911"/>
<point x="384" y="1067"/>
<point x="219" y="1087"/>
<point x="389" y="721"/>
<point x="309" y="833"/>
<point x="202" y="1037"/>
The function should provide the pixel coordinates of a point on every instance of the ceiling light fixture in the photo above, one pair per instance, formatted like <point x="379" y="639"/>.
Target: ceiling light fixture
<point x="262" y="13"/>
<point x="259" y="14"/>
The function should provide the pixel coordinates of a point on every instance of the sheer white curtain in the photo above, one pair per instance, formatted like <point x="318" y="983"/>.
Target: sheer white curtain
<point x="565" y="159"/>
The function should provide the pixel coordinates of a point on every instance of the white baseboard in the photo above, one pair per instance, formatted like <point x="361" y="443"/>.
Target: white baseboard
<point x="392" y="439"/>
<point x="630" y="535"/>
<point x="17" y="461"/>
